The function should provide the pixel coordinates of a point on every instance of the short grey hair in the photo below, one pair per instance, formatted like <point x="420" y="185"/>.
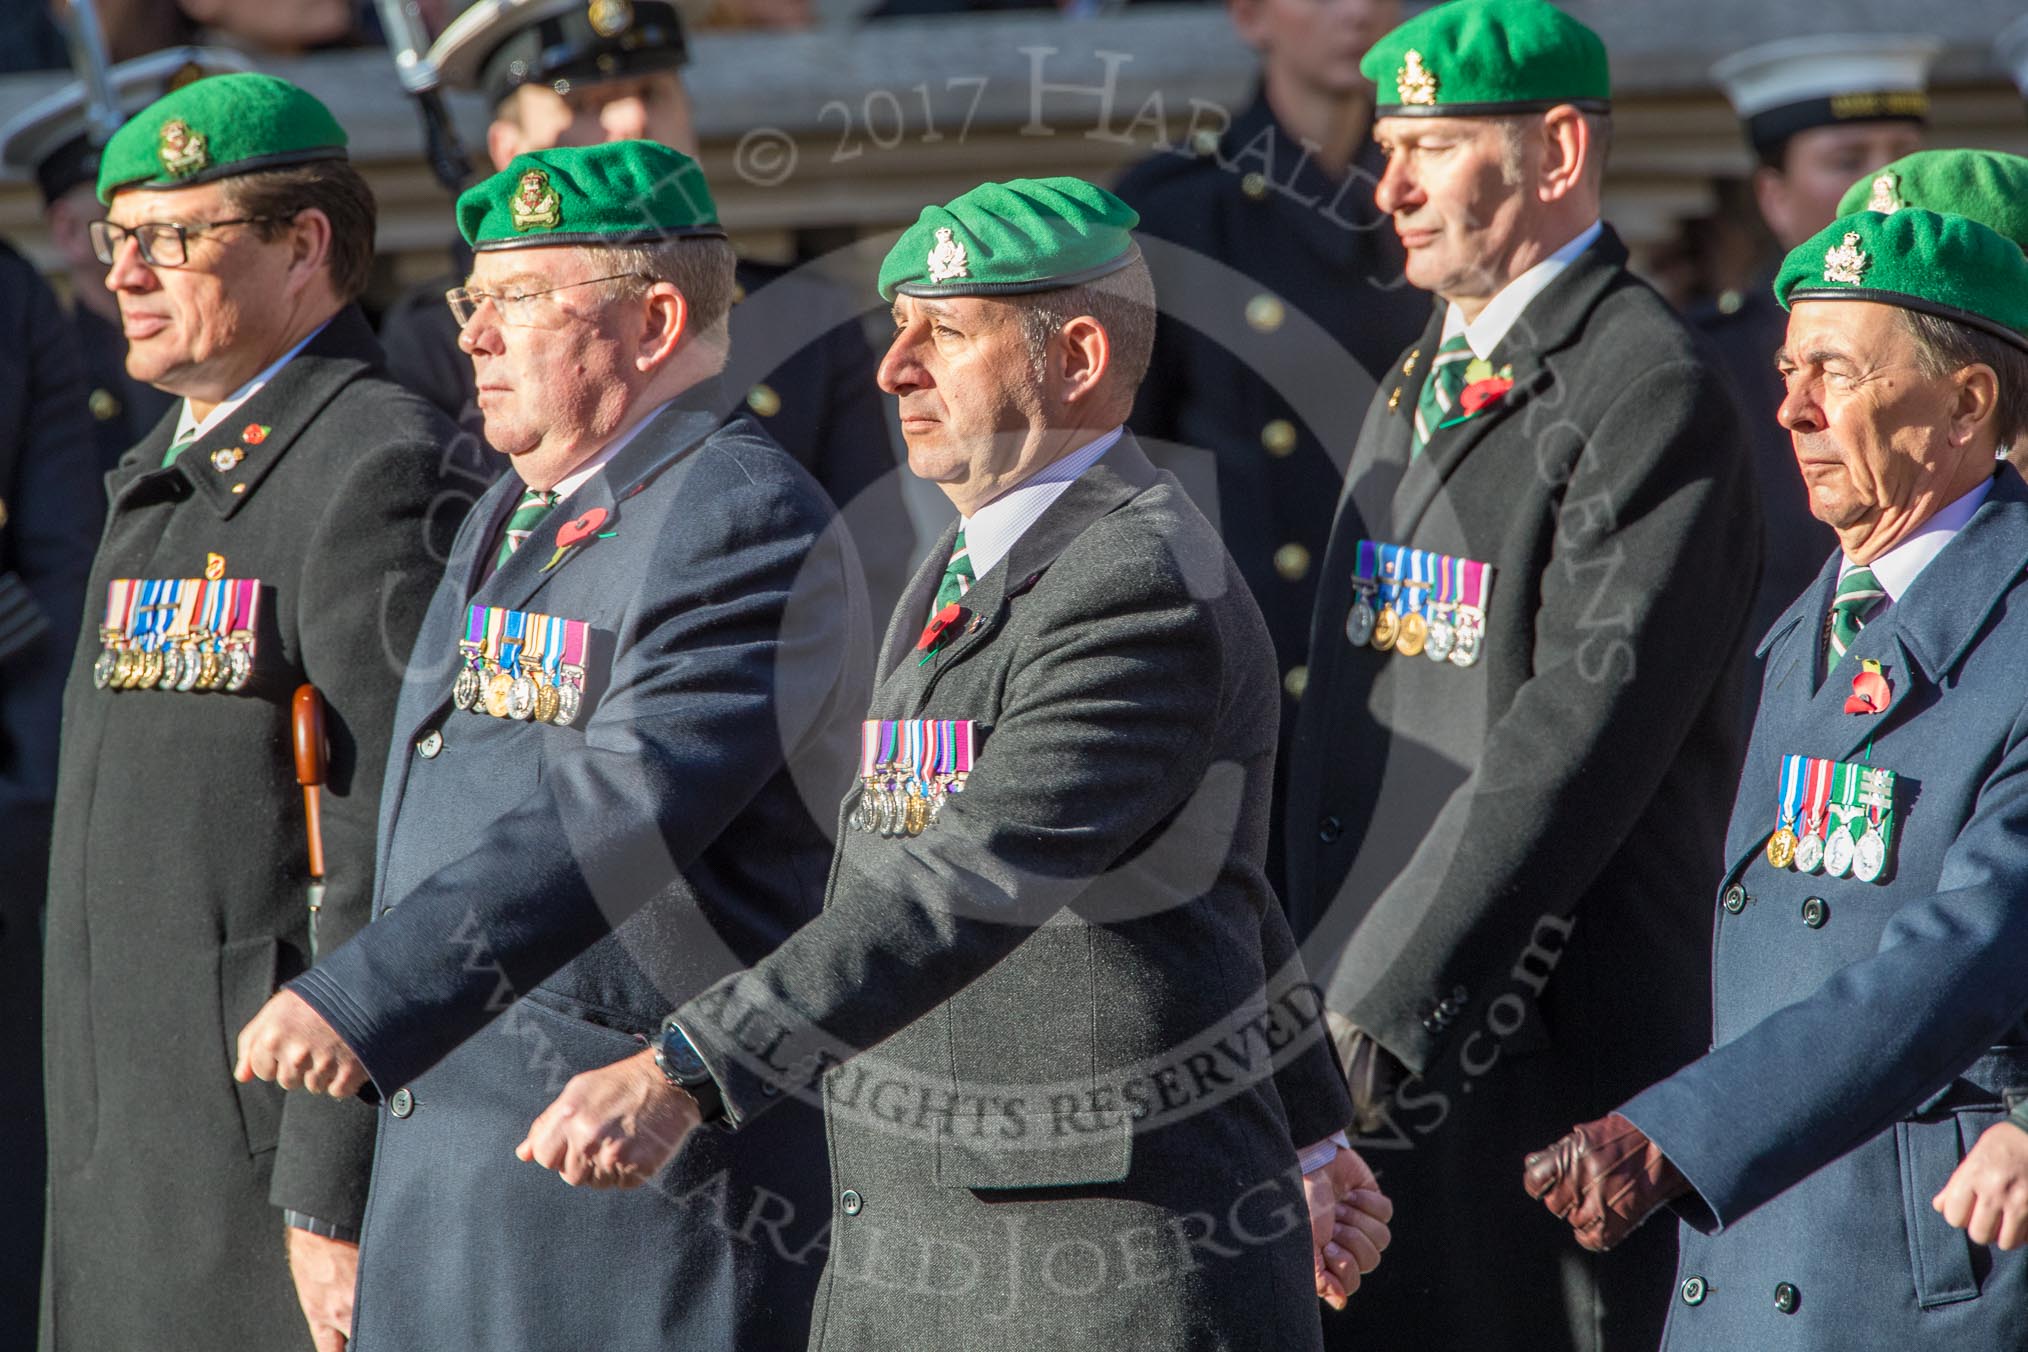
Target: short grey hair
<point x="700" y="268"/>
<point x="1122" y="302"/>
<point x="1515" y="129"/>
<point x="1944" y="347"/>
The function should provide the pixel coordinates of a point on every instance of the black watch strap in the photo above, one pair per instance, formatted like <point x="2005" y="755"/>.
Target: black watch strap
<point x="682" y="1067"/>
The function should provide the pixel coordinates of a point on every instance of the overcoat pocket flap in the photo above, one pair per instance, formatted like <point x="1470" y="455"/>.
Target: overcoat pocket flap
<point x="1940" y="1255"/>
<point x="1032" y="1151"/>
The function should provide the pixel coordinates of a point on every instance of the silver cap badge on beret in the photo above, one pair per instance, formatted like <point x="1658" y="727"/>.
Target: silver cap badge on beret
<point x="1846" y="262"/>
<point x="947" y="259"/>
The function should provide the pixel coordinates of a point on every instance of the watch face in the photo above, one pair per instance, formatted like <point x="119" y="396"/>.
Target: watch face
<point x="679" y="1058"/>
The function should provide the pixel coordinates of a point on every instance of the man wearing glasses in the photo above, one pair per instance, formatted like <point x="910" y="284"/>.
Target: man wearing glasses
<point x="625" y="731"/>
<point x="283" y="524"/>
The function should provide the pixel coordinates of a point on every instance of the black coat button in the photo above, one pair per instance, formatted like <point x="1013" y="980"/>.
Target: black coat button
<point x="852" y="1202"/>
<point x="402" y="1104"/>
<point x="1736" y="898"/>
<point x="1815" y="912"/>
<point x="1787" y="1298"/>
<point x="1330" y="829"/>
<point x="1693" y="1290"/>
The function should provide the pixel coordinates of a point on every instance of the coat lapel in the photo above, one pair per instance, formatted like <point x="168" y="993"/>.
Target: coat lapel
<point x="1120" y="474"/>
<point x="904" y="627"/>
<point x="1378" y="469"/>
<point x="1552" y="321"/>
<point x="261" y="430"/>
<point x="668" y="436"/>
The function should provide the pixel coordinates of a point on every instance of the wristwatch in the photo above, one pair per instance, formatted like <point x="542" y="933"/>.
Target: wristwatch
<point x="682" y="1067"/>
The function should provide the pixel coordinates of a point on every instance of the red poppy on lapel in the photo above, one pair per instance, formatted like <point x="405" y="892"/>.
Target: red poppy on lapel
<point x="253" y="434"/>
<point x="1870" y="692"/>
<point x="574" y="532"/>
<point x="1483" y="393"/>
<point x="940" y="625"/>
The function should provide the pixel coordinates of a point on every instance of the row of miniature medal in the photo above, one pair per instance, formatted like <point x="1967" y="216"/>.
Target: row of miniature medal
<point x="908" y="769"/>
<point x="1417" y="602"/>
<point x="1834" y="815"/>
<point x="182" y="633"/>
<point x="520" y="665"/>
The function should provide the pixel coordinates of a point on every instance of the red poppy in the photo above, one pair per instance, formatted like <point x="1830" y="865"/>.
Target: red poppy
<point x="573" y="531"/>
<point x="1870" y="694"/>
<point x="1480" y="393"/>
<point x="254" y="434"/>
<point x="934" y="631"/>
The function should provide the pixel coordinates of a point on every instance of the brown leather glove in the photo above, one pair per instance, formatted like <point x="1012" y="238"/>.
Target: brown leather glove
<point x="1605" y="1178"/>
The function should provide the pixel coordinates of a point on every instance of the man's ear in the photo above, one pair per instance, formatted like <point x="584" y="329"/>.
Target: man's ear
<point x="309" y="246"/>
<point x="1568" y="147"/>
<point x="1086" y="352"/>
<point x="665" y="322"/>
<point x="1978" y="397"/>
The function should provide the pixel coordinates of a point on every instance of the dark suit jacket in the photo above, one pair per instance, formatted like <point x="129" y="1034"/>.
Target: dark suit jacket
<point x="53" y="506"/>
<point x="800" y="367"/>
<point x="1856" y="1059"/>
<point x="1068" y="991"/>
<point x="179" y="863"/>
<point x="1282" y="308"/>
<point x="1458" y="835"/>
<point x="674" y="833"/>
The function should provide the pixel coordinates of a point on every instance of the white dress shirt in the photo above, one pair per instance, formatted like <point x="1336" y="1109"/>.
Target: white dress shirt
<point x="1484" y="333"/>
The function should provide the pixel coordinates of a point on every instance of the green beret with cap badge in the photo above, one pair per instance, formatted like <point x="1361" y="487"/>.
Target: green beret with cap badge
<point x="218" y="128"/>
<point x="618" y="192"/>
<point x="1024" y="235"/>
<point x="1988" y="186"/>
<point x="1487" y="58"/>
<point x="1948" y="266"/>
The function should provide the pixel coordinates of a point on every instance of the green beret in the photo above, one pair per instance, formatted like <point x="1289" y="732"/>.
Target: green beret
<point x="216" y="128"/>
<point x="1941" y="265"/>
<point x="620" y="192"/>
<point x="1478" y="58"/>
<point x="1988" y="186"/>
<point x="1003" y="239"/>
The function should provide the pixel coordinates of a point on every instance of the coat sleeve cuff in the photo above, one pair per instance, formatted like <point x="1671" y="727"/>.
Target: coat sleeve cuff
<point x="754" y="1056"/>
<point x="1675" y="1120"/>
<point x="324" y="1159"/>
<point x="354" y="1025"/>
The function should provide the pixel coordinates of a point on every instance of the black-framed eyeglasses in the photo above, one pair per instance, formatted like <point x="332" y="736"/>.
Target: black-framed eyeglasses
<point x="164" y="244"/>
<point x="521" y="309"/>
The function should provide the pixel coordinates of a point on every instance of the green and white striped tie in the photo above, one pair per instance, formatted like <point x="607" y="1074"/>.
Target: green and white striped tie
<point x="1859" y="595"/>
<point x="527" y="513"/>
<point x="958" y="577"/>
<point x="1440" y="390"/>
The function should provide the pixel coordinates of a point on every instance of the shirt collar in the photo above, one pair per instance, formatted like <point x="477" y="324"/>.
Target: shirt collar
<point x="991" y="532"/>
<point x="187" y="423"/>
<point x="1897" y="568"/>
<point x="581" y="476"/>
<point x="1485" y="333"/>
